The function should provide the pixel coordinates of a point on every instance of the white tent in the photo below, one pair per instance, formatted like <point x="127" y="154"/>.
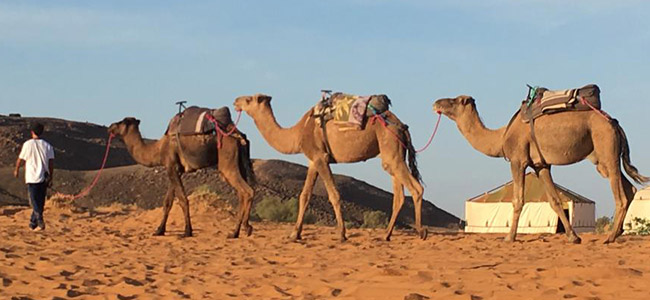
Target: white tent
<point x="640" y="208"/>
<point x="492" y="212"/>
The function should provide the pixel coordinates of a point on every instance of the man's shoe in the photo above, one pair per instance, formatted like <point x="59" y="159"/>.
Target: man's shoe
<point x="38" y="229"/>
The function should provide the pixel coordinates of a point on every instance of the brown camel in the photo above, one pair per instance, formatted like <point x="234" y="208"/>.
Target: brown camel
<point x="346" y="147"/>
<point x="564" y="138"/>
<point x="198" y="151"/>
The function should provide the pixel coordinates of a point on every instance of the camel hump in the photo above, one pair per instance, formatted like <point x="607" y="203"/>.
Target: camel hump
<point x="545" y="101"/>
<point x="198" y="120"/>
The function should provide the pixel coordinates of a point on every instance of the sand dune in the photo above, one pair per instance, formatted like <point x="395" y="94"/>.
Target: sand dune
<point x="110" y="254"/>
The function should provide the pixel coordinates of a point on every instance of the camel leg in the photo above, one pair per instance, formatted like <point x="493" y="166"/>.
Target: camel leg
<point x="398" y="201"/>
<point x="305" y="196"/>
<point x="245" y="194"/>
<point x="518" y="179"/>
<point x="623" y="194"/>
<point x="179" y="190"/>
<point x="415" y="188"/>
<point x="556" y="203"/>
<point x="167" y="206"/>
<point x="333" y="194"/>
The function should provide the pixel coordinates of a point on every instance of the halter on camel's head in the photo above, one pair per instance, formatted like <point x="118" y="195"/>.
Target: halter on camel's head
<point x="119" y="128"/>
<point x="247" y="103"/>
<point x="453" y="107"/>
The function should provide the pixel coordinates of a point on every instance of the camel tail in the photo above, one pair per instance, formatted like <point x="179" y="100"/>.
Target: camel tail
<point x="625" y="156"/>
<point x="410" y="154"/>
<point x="245" y="162"/>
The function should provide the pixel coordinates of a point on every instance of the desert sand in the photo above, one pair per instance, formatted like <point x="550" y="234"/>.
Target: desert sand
<point x="110" y="253"/>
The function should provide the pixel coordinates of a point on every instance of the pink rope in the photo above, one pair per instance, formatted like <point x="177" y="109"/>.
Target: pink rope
<point x="435" y="130"/>
<point x="383" y="123"/>
<point x="221" y="133"/>
<point x="86" y="191"/>
<point x="599" y="111"/>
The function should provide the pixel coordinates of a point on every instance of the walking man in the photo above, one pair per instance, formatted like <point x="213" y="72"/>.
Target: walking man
<point x="37" y="156"/>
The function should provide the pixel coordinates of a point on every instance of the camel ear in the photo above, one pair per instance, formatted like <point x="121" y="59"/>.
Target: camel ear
<point x="261" y="98"/>
<point x="467" y="100"/>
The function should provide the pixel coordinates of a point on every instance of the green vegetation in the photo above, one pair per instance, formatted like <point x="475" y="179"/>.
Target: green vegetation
<point x="203" y="190"/>
<point x="276" y="210"/>
<point x="638" y="226"/>
<point x="374" y="219"/>
<point x="603" y="224"/>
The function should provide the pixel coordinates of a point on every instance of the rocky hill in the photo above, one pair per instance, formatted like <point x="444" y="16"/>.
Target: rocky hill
<point x="79" y="148"/>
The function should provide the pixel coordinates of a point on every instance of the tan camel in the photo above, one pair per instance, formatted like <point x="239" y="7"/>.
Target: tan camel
<point x="198" y="151"/>
<point x="564" y="138"/>
<point x="347" y="147"/>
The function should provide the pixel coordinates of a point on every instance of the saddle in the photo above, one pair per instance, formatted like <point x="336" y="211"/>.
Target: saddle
<point x="198" y="120"/>
<point x="349" y="112"/>
<point x="542" y="101"/>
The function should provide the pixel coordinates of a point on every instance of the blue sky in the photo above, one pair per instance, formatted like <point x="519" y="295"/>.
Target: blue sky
<point x="100" y="61"/>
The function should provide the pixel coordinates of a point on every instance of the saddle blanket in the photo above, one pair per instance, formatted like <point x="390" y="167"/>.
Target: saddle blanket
<point x="546" y="101"/>
<point x="196" y="120"/>
<point x="349" y="112"/>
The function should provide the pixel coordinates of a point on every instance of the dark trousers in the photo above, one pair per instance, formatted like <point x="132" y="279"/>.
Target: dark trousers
<point x="37" y="192"/>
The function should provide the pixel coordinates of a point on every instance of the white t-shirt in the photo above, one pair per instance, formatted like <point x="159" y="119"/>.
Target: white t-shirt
<point x="36" y="153"/>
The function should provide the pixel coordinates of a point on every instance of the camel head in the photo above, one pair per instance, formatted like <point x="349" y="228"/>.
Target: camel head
<point x="251" y="104"/>
<point x="454" y="107"/>
<point x="123" y="127"/>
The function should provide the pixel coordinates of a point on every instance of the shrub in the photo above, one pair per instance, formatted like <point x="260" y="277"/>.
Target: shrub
<point x="276" y="210"/>
<point x="603" y="224"/>
<point x="639" y="226"/>
<point x="374" y="219"/>
<point x="202" y="190"/>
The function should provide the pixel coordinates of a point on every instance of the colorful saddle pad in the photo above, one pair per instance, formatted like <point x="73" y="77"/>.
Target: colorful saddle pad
<point x="196" y="120"/>
<point x="545" y="101"/>
<point x="349" y="112"/>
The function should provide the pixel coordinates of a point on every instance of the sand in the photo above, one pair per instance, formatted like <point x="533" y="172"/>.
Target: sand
<point x="110" y="254"/>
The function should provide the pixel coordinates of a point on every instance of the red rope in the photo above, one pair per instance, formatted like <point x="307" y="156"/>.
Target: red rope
<point x="600" y="112"/>
<point x="383" y="123"/>
<point x="86" y="191"/>
<point x="221" y="133"/>
<point x="435" y="130"/>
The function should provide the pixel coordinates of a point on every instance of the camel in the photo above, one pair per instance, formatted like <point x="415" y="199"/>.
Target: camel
<point x="346" y="147"/>
<point x="198" y="151"/>
<point x="563" y="138"/>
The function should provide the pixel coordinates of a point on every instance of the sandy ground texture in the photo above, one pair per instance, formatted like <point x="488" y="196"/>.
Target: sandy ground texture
<point x="110" y="254"/>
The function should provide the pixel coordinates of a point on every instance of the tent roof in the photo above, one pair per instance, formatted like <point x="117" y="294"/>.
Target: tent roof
<point x="533" y="192"/>
<point x="643" y="194"/>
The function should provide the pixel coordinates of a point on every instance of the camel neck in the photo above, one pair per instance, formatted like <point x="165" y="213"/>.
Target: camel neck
<point x="284" y="140"/>
<point x="147" y="154"/>
<point x="483" y="139"/>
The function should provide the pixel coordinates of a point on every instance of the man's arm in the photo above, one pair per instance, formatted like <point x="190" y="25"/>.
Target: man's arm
<point x="19" y="163"/>
<point x="51" y="171"/>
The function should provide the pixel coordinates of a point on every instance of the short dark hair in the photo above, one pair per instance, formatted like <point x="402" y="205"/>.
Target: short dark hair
<point x="37" y="128"/>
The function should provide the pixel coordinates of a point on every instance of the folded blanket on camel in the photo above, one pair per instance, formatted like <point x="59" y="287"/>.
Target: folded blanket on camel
<point x="542" y="101"/>
<point x="350" y="112"/>
<point x="196" y="120"/>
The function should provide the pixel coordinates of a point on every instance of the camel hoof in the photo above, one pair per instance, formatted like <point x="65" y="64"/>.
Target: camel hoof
<point x="575" y="240"/>
<point x="187" y="234"/>
<point x="609" y="241"/>
<point x="387" y="238"/>
<point x="343" y="239"/>
<point x="509" y="240"/>
<point x="424" y="233"/>
<point x="249" y="230"/>
<point x="295" y="236"/>
<point x="233" y="235"/>
<point x="159" y="232"/>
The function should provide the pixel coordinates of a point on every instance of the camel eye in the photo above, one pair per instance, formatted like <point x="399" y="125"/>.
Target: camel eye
<point x="248" y="100"/>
